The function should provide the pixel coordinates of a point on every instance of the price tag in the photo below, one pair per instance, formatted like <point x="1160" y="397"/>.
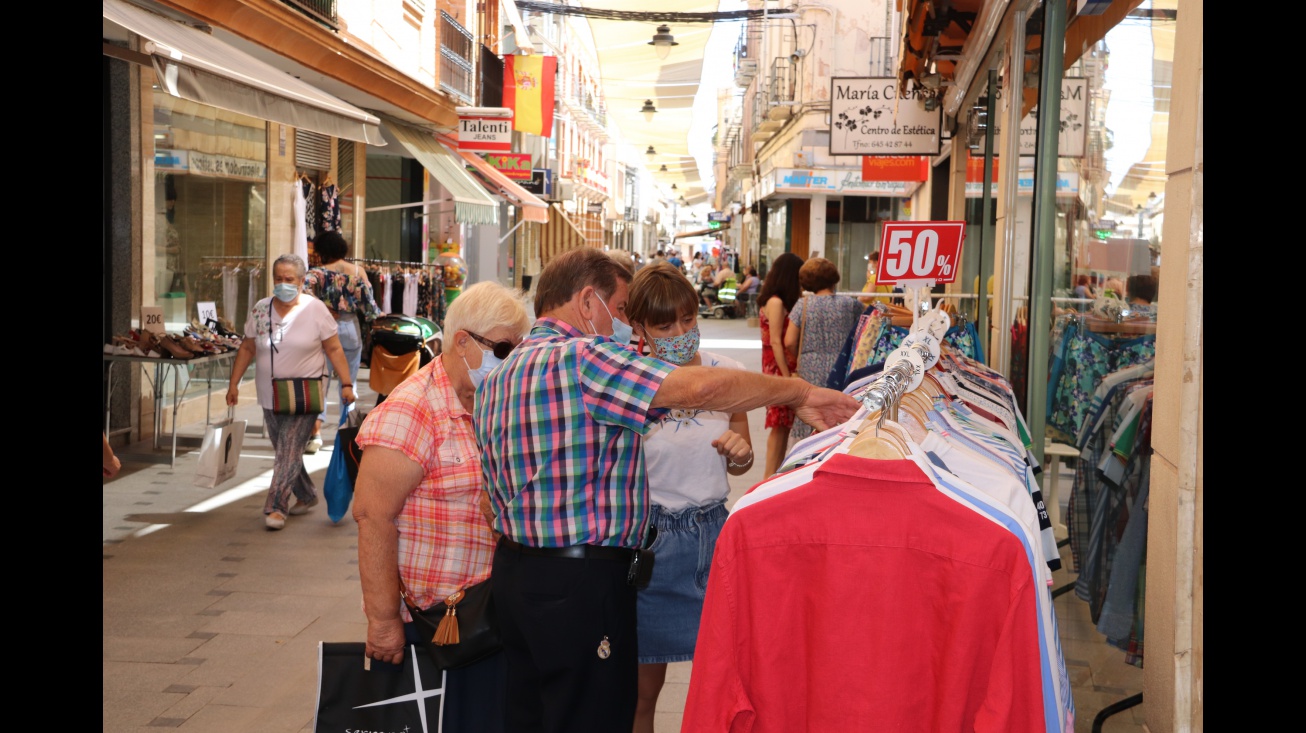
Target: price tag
<point x="208" y="311"/>
<point x="909" y="355"/>
<point x="929" y="341"/>
<point x="920" y="250"/>
<point x="152" y="318"/>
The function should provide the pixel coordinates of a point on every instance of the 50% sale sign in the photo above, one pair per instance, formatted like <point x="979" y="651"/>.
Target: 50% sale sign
<point x="917" y="251"/>
<point x="920" y="254"/>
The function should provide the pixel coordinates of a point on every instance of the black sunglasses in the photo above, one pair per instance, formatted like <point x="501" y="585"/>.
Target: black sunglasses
<point x="501" y="349"/>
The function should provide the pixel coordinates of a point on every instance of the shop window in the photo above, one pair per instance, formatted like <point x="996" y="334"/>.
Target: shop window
<point x="210" y="200"/>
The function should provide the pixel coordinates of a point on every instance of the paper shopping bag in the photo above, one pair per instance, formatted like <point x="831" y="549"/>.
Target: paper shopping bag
<point x="220" y="453"/>
<point x="351" y="697"/>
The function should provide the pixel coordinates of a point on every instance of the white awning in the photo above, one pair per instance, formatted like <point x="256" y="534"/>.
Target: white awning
<point x="194" y="65"/>
<point x="472" y="205"/>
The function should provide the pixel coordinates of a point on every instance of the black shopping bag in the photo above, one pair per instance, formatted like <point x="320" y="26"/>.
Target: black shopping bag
<point x="351" y="697"/>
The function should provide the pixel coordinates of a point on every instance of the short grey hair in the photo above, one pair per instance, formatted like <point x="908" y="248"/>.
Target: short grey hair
<point x="294" y="260"/>
<point x="485" y="306"/>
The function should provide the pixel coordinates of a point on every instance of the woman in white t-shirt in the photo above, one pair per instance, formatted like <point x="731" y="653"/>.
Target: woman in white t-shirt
<point x="305" y="335"/>
<point x="688" y="455"/>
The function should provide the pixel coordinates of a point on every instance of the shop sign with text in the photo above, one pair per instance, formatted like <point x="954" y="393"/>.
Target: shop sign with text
<point x="868" y="116"/>
<point x="895" y="168"/>
<point x="485" y="134"/>
<point x="515" y="166"/>
<point x="227" y="167"/>
<point x="1074" y="121"/>
<point x="842" y="182"/>
<point x="540" y="182"/>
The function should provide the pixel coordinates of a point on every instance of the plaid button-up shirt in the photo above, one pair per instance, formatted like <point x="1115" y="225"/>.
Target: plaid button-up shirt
<point x="445" y="544"/>
<point x="560" y="425"/>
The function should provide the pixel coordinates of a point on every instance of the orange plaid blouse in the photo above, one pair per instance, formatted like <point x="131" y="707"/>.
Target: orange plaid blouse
<point x="445" y="543"/>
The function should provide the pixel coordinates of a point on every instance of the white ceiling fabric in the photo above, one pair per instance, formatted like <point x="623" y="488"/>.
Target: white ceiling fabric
<point x="632" y="72"/>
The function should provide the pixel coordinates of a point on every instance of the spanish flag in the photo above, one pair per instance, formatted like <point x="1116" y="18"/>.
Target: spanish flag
<point x="528" y="90"/>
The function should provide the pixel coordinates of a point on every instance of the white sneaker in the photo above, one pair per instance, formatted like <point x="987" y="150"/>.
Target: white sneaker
<point x="275" y="520"/>
<point x="314" y="445"/>
<point x="302" y="508"/>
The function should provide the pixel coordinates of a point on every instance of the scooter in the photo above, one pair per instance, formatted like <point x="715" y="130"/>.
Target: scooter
<point x="723" y="303"/>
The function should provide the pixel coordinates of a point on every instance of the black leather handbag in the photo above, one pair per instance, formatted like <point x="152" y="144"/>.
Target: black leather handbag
<point x="461" y="630"/>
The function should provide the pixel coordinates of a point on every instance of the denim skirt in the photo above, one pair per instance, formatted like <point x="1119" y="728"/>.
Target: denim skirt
<point x="668" y="610"/>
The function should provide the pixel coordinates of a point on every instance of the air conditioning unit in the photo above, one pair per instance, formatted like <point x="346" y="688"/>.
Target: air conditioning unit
<point x="566" y="189"/>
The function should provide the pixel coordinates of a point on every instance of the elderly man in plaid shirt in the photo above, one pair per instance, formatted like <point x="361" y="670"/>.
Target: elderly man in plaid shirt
<point x="559" y="425"/>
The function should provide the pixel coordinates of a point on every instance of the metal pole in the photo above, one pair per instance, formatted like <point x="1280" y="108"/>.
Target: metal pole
<point x="1002" y="308"/>
<point x="986" y="216"/>
<point x="1045" y="192"/>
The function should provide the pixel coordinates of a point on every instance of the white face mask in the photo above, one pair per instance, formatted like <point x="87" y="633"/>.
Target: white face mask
<point x="621" y="332"/>
<point x="488" y="362"/>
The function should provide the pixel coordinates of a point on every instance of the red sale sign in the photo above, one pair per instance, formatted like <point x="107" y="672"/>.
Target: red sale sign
<point x="920" y="250"/>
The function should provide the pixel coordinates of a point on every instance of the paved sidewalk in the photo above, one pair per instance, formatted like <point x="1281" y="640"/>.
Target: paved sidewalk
<point x="211" y="622"/>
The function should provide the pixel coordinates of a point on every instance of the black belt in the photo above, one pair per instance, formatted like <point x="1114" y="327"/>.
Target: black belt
<point x="577" y="552"/>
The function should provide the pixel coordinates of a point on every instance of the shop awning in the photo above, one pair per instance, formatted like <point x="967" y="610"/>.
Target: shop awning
<point x="472" y="205"/>
<point x="558" y="236"/>
<point x="700" y="232"/>
<point x="533" y="209"/>
<point x="194" y="65"/>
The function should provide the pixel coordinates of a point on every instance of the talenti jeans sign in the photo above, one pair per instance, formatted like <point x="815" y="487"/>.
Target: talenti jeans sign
<point x="485" y="134"/>
<point x="838" y="182"/>
<point x="869" y="117"/>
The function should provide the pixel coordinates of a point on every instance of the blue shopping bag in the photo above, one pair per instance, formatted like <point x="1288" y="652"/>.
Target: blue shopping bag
<point x="338" y="487"/>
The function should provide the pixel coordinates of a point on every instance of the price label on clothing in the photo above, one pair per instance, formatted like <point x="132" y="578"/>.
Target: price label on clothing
<point x="208" y="310"/>
<point x="920" y="250"/>
<point x="152" y="318"/>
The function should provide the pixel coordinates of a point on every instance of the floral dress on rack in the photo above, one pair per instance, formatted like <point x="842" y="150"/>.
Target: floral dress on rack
<point x="342" y="293"/>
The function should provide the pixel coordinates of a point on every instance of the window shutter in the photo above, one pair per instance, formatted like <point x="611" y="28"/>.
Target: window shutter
<point x="312" y="150"/>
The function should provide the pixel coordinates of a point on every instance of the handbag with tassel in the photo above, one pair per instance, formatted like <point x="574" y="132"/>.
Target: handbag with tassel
<point x="460" y="630"/>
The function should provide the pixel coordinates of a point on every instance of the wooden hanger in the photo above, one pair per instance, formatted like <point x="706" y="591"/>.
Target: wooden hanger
<point x="877" y="440"/>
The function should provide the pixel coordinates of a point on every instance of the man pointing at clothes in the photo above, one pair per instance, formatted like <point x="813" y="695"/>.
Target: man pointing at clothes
<point x="559" y="424"/>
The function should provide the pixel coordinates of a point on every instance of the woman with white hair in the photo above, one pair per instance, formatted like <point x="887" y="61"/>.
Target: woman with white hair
<point x="293" y="335"/>
<point x="418" y="497"/>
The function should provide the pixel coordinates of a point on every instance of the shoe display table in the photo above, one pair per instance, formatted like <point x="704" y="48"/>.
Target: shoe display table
<point x="162" y="367"/>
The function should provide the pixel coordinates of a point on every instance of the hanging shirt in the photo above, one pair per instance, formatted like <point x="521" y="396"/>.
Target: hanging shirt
<point x="229" y="275"/>
<point x="299" y="229"/>
<point x="387" y="290"/>
<point x="410" y="294"/>
<point x="1057" y="698"/>
<point x="329" y="211"/>
<point x="820" y="601"/>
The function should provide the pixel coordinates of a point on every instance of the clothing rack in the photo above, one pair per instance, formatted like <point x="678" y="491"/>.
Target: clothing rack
<point x="401" y="263"/>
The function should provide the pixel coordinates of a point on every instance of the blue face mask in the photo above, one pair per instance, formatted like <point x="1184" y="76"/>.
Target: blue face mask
<point x="285" y="292"/>
<point x="621" y="332"/>
<point x="488" y="362"/>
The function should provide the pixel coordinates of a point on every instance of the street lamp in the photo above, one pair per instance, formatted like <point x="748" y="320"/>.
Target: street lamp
<point x="651" y="153"/>
<point x="648" y="109"/>
<point x="663" y="41"/>
<point x="663" y="169"/>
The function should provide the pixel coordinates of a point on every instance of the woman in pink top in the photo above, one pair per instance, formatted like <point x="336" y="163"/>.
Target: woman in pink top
<point x="418" y="499"/>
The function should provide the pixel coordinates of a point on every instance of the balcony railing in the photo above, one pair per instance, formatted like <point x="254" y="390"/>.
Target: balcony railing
<point x="323" y="11"/>
<point x="456" y="49"/>
<point x="782" y="84"/>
